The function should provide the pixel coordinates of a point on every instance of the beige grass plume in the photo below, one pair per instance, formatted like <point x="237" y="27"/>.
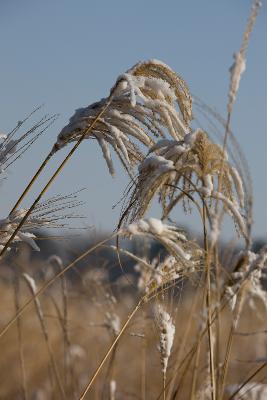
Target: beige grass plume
<point x="174" y="169"/>
<point x="143" y="107"/>
<point x="140" y="107"/>
<point x="48" y="214"/>
<point x="239" y="65"/>
<point x="15" y="143"/>
<point x="166" y="338"/>
<point x="248" y="271"/>
<point x="164" y="272"/>
<point x="169" y="236"/>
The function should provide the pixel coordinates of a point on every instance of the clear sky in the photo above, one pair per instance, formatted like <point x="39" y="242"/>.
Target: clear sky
<point x="68" y="53"/>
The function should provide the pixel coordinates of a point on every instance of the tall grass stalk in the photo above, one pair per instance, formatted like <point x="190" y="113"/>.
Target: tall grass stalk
<point x="209" y="305"/>
<point x="236" y="71"/>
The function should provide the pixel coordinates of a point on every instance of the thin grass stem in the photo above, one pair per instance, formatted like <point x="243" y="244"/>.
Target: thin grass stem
<point x="97" y="371"/>
<point x="208" y="300"/>
<point x="56" y="173"/>
<point x="30" y="184"/>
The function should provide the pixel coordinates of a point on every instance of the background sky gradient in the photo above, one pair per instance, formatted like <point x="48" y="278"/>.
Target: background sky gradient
<point x="68" y="54"/>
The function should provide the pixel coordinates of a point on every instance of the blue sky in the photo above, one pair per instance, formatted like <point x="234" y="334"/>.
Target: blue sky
<point x="68" y="54"/>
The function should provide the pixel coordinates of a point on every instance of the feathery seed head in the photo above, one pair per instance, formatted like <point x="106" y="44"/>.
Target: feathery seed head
<point x="142" y="107"/>
<point x="113" y="323"/>
<point x="168" y="235"/>
<point x="167" y="331"/>
<point x="174" y="168"/>
<point x="158" y="273"/>
<point x="45" y="215"/>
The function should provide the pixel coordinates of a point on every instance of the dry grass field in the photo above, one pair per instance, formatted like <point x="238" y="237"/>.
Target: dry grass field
<point x="114" y="319"/>
<point x="81" y="320"/>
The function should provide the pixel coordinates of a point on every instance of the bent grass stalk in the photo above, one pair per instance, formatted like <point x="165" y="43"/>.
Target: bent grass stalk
<point x="56" y="173"/>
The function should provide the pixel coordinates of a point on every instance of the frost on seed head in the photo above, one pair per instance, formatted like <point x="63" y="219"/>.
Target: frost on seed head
<point x="176" y="170"/>
<point x="15" y="143"/>
<point x="113" y="323"/>
<point x="248" y="272"/>
<point x="157" y="273"/>
<point x="168" y="235"/>
<point x="31" y="282"/>
<point x="166" y="331"/>
<point x="146" y="102"/>
<point x="112" y="389"/>
<point x="46" y="215"/>
<point x="239" y="65"/>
